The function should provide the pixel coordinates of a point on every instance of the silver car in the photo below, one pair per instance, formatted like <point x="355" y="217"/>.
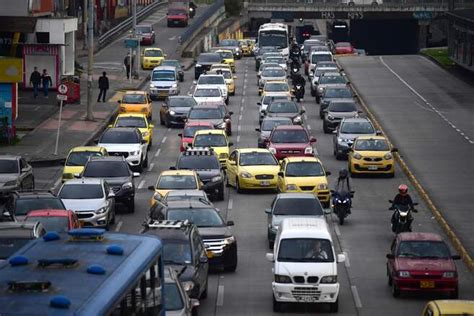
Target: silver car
<point x="329" y="79"/>
<point x="265" y="102"/>
<point x="271" y="74"/>
<point x="15" y="175"/>
<point x="92" y="199"/>
<point x="348" y="130"/>
<point x="177" y="301"/>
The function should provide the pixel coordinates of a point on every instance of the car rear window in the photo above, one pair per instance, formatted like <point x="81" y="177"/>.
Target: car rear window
<point x="178" y="182"/>
<point x="190" y="130"/>
<point x="58" y="224"/>
<point x="338" y="93"/>
<point x="290" y="136"/>
<point x="134" y="99"/>
<point x="268" y="125"/>
<point x="24" y="205"/>
<point x="114" y="136"/>
<point x="209" y="58"/>
<point x="211" y="80"/>
<point x="198" y="162"/>
<point x="283" y="107"/>
<point x="304" y="169"/>
<point x="79" y="158"/>
<point x="81" y="191"/>
<point x="106" y="169"/>
<point x="273" y="73"/>
<point x="257" y="159"/>
<point x="197" y="113"/>
<point x="423" y="249"/>
<point x="181" y="102"/>
<point x="138" y="122"/>
<point x="207" y="93"/>
<point x="298" y="207"/>
<point x="332" y="80"/>
<point x="210" y="140"/>
<point x="342" y="107"/>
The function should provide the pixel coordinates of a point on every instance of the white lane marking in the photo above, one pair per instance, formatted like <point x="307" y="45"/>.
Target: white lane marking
<point x="119" y="225"/>
<point x="241" y="108"/>
<point x="308" y="127"/>
<point x="56" y="184"/>
<point x="151" y="166"/>
<point x="243" y="92"/>
<point x="220" y="296"/>
<point x="141" y="184"/>
<point x="440" y="114"/>
<point x="239" y="128"/>
<point x="240" y="117"/>
<point x="243" y="100"/>
<point x="303" y="107"/>
<point x="230" y="204"/>
<point x="169" y="129"/>
<point x="356" y="296"/>
<point x="238" y="138"/>
<point x="305" y="117"/>
<point x="347" y="263"/>
<point x="163" y="140"/>
<point x="158" y="152"/>
<point x="172" y="38"/>
<point x="336" y="229"/>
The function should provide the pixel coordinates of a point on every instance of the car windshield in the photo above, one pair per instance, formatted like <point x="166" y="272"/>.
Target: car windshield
<point x="163" y="75"/>
<point x="211" y="80"/>
<point x="9" y="166"/>
<point x="357" y="128"/>
<point x="153" y="53"/>
<point x="201" y="217"/>
<point x="371" y="145"/>
<point x="226" y="54"/>
<point x="423" y="249"/>
<point x="190" y="130"/>
<point x="268" y="125"/>
<point x="170" y="62"/>
<point x="134" y="99"/>
<point x="200" y="162"/>
<point x="342" y="107"/>
<point x="79" y="158"/>
<point x="283" y="107"/>
<point x="81" y="191"/>
<point x="181" y="102"/>
<point x="209" y="58"/>
<point x="275" y="60"/>
<point x="197" y="113"/>
<point x="229" y="42"/>
<point x="210" y="140"/>
<point x="58" y="224"/>
<point x="305" y="250"/>
<point x="304" y="169"/>
<point x="257" y="159"/>
<point x="207" y="93"/>
<point x="8" y="246"/>
<point x="269" y="65"/>
<point x="144" y="29"/>
<point x="290" y="136"/>
<point x="332" y="80"/>
<point x="176" y="182"/>
<point x="268" y="99"/>
<point x="271" y="72"/>
<point x="342" y="93"/>
<point x="276" y="87"/>
<point x="24" y="205"/>
<point x="106" y="169"/>
<point x="298" y="207"/>
<point x="138" y="122"/>
<point x="176" y="252"/>
<point x="227" y="74"/>
<point x="173" y="299"/>
<point x="114" y="136"/>
<point x="316" y="58"/>
<point x="278" y="39"/>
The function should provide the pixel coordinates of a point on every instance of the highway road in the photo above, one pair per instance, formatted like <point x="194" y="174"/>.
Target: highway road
<point x="365" y="237"/>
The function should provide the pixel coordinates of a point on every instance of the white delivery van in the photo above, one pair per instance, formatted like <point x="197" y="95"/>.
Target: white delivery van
<point x="305" y="264"/>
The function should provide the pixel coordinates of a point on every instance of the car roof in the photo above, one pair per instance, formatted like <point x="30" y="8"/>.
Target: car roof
<point x="135" y="92"/>
<point x="276" y="118"/>
<point x="153" y="48"/>
<point x="453" y="307"/>
<point x="49" y="213"/>
<point x="356" y="119"/>
<point x="178" y="173"/>
<point x="210" y="132"/>
<point x="84" y="181"/>
<point x="371" y="137"/>
<point x="210" y="75"/>
<point x="168" y="68"/>
<point x="9" y="157"/>
<point x="302" y="159"/>
<point x="252" y="150"/>
<point x="290" y="127"/>
<point x="87" y="148"/>
<point x="332" y="73"/>
<point x="304" y="227"/>
<point x="131" y="115"/>
<point x="419" y="236"/>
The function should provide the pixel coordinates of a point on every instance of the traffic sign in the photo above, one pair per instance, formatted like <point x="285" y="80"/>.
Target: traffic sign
<point x="131" y="43"/>
<point x="61" y="97"/>
<point x="62" y="89"/>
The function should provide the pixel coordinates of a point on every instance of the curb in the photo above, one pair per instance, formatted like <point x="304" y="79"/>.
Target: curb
<point x="426" y="198"/>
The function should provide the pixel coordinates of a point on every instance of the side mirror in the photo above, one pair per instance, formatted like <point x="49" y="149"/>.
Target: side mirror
<point x="136" y="174"/>
<point x="77" y="175"/>
<point x="110" y="126"/>
<point x="230" y="223"/>
<point x="231" y="113"/>
<point x="172" y="168"/>
<point x="231" y="144"/>
<point x="270" y="257"/>
<point x="328" y="173"/>
<point x="268" y="210"/>
<point x="257" y="129"/>
<point x="390" y="256"/>
<point x="281" y="174"/>
<point x="341" y="258"/>
<point x="180" y="134"/>
<point x="6" y="214"/>
<point x="302" y="111"/>
<point x="394" y="150"/>
<point x="195" y="302"/>
<point x="111" y="195"/>
<point x="259" y="103"/>
<point x="456" y="257"/>
<point x="151" y="126"/>
<point x="194" y="82"/>
<point x="312" y="139"/>
<point x="203" y="259"/>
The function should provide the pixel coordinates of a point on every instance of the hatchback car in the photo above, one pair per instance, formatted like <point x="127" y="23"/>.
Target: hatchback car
<point x="138" y="121"/>
<point x="371" y="155"/>
<point x="338" y="93"/>
<point x="344" y="48"/>
<point x="285" y="108"/>
<point x="164" y="82"/>
<point x="265" y="102"/>
<point x="55" y="220"/>
<point x="171" y="180"/>
<point x="136" y="102"/>
<point x="286" y="141"/>
<point x="215" y="139"/>
<point x="204" y="62"/>
<point x="421" y="262"/>
<point x="19" y="204"/>
<point x="336" y="111"/>
<point x="146" y="33"/>
<point x="152" y="57"/>
<point x="175" y="109"/>
<point x="327" y="80"/>
<point x="218" y="116"/>
<point x="15" y="174"/>
<point x="77" y="158"/>
<point x="348" y="130"/>
<point x="186" y="137"/>
<point x="267" y="126"/>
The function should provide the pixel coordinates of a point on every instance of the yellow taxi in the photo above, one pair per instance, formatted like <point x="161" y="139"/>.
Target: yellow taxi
<point x="152" y="57"/>
<point x="228" y="76"/>
<point x="448" y="307"/>
<point x="136" y="101"/>
<point x="371" y="155"/>
<point x="215" y="139"/>
<point x="227" y="57"/>
<point x="246" y="48"/>
<point x="306" y="175"/>
<point x="219" y="66"/>
<point x="252" y="168"/>
<point x="139" y="121"/>
<point x="77" y="158"/>
<point x="172" y="180"/>
<point x="277" y="88"/>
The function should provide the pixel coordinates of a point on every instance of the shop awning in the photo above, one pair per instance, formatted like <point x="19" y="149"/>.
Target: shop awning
<point x="19" y="24"/>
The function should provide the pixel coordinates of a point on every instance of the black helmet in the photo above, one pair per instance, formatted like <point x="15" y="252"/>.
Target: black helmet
<point x="343" y="173"/>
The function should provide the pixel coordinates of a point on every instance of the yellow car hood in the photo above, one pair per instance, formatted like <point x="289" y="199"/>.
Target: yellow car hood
<point x="73" y="169"/>
<point x="253" y="170"/>
<point x="306" y="181"/>
<point x="228" y="61"/>
<point x="152" y="58"/>
<point x="221" y="150"/>
<point x="372" y="153"/>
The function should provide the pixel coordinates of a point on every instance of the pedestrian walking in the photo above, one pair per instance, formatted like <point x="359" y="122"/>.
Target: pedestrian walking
<point x="35" y="81"/>
<point x="46" y="82"/>
<point x="128" y="64"/>
<point x="103" y="86"/>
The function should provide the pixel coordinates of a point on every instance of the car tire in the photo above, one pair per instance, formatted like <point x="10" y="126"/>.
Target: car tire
<point x="167" y="123"/>
<point x="181" y="78"/>
<point x="233" y="93"/>
<point x="454" y="295"/>
<point x="271" y="244"/>
<point x="389" y="278"/>
<point x="334" y="307"/>
<point x="112" y="220"/>
<point x="204" y="293"/>
<point x="145" y="162"/>
<point x="237" y="186"/>
<point x="150" y="144"/>
<point x="227" y="184"/>
<point x="277" y="306"/>
<point x="131" y="205"/>
<point x="233" y="262"/>
<point x="220" y="193"/>
<point x="395" y="290"/>
<point x="161" y="120"/>
<point x="227" y="101"/>
<point x="313" y="93"/>
<point x="326" y="129"/>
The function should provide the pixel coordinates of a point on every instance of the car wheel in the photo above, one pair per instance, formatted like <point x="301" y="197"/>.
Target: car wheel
<point x="232" y="266"/>
<point x="161" y="120"/>
<point x="131" y="205"/>
<point x="227" y="184"/>
<point x="271" y="244"/>
<point x="204" y="293"/>
<point x="326" y="129"/>
<point x="237" y="185"/>
<point x="313" y="93"/>
<point x="389" y="278"/>
<point x="167" y="123"/>
<point x="150" y="143"/>
<point x="395" y="290"/>
<point x="334" y="307"/>
<point x="145" y="163"/>
<point x="220" y="194"/>
<point x="112" y="220"/>
<point x="277" y="306"/>
<point x="454" y="295"/>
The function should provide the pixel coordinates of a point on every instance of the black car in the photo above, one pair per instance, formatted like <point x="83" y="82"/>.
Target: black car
<point x="117" y="173"/>
<point x="220" y="243"/>
<point x="204" y="63"/>
<point x="260" y="52"/>
<point x="287" y="109"/>
<point x="18" y="204"/>
<point x="175" y="110"/>
<point x="184" y="251"/>
<point x="336" y="111"/>
<point x="206" y="163"/>
<point x="341" y="93"/>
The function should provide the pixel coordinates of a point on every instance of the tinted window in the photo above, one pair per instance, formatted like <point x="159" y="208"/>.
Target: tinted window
<point x="81" y="191"/>
<point x="176" y="182"/>
<point x="273" y="38"/>
<point x="138" y="122"/>
<point x="106" y="169"/>
<point x="8" y="246"/>
<point x="209" y="58"/>
<point x="298" y="206"/>
<point x="113" y="136"/>
<point x="24" y="205"/>
<point x="371" y="145"/>
<point x="274" y="73"/>
<point x="210" y="140"/>
<point x="163" y="75"/>
<point x="276" y="87"/>
<point x="305" y="250"/>
<point x="304" y="169"/>
<point x="268" y="99"/>
<point x="226" y="54"/>
<point x="176" y="12"/>
<point x="211" y="80"/>
<point x="190" y="130"/>
<point x="134" y="99"/>
<point x="200" y="217"/>
<point x="332" y="80"/>
<point x="9" y="166"/>
<point x="144" y="29"/>
<point x="338" y="93"/>
<point x="342" y="107"/>
<point x="423" y="249"/>
<point x="181" y="102"/>
<point x="173" y="63"/>
<point x="229" y="42"/>
<point x="198" y="162"/>
<point x="268" y="125"/>
<point x="51" y="223"/>
<point x="207" y="93"/>
<point x="153" y="53"/>
<point x="289" y="136"/>
<point x="176" y="251"/>
<point x="205" y="114"/>
<point x="80" y="158"/>
<point x="173" y="300"/>
<point x="357" y="128"/>
<point x="276" y="60"/>
<point x="316" y="58"/>
<point x="283" y="107"/>
<point x="257" y="158"/>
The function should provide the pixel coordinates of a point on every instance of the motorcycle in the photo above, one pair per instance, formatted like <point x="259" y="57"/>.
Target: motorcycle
<point x="342" y="203"/>
<point x="295" y="54"/>
<point x="192" y="12"/>
<point x="299" y="92"/>
<point x="294" y="70"/>
<point x="401" y="218"/>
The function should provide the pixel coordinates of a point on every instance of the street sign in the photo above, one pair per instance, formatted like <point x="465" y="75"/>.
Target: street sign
<point x="61" y="97"/>
<point x="62" y="89"/>
<point x="131" y="43"/>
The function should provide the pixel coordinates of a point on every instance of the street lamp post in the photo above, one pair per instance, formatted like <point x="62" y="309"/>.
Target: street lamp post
<point x="90" y="39"/>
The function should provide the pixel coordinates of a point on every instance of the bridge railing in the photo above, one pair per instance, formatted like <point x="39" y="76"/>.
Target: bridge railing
<point x="361" y="3"/>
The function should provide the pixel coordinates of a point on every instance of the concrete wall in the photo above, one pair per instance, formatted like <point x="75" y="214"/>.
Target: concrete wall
<point x="14" y="8"/>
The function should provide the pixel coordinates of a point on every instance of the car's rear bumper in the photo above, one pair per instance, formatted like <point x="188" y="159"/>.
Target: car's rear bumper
<point x="415" y="285"/>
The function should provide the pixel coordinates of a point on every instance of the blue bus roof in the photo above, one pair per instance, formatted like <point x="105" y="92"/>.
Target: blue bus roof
<point x="89" y="294"/>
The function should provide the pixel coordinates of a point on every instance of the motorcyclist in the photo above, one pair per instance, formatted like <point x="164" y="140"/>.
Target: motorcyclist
<point x="295" y="50"/>
<point x="192" y="6"/>
<point x="403" y="199"/>
<point x="343" y="185"/>
<point x="295" y="64"/>
<point x="299" y="80"/>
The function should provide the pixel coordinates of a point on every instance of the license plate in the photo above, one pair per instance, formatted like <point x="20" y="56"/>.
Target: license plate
<point x="164" y="94"/>
<point x="175" y="22"/>
<point x="427" y="284"/>
<point x="372" y="167"/>
<point x="307" y="299"/>
<point x="264" y="183"/>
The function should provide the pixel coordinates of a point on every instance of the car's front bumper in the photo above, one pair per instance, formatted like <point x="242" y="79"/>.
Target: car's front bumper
<point x="163" y="92"/>
<point x="253" y="183"/>
<point x="90" y="218"/>
<point x="134" y="161"/>
<point x="360" y="166"/>
<point x="302" y="293"/>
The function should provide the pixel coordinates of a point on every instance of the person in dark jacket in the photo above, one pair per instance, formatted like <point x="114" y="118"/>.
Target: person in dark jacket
<point x="103" y="87"/>
<point x="46" y="82"/>
<point x="129" y="65"/>
<point x="35" y="81"/>
<point x="403" y="199"/>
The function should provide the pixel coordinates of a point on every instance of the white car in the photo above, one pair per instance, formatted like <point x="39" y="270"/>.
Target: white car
<point x="278" y="60"/>
<point x="318" y="73"/>
<point x="164" y="82"/>
<point x="208" y="94"/>
<point x="316" y="57"/>
<point x="212" y="81"/>
<point x="127" y="142"/>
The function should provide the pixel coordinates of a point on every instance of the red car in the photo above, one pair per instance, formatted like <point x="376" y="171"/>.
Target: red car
<point x="188" y="132"/>
<point x="289" y="141"/>
<point x="54" y="220"/>
<point x="421" y="262"/>
<point x="177" y="16"/>
<point x="344" y="48"/>
<point x="146" y="33"/>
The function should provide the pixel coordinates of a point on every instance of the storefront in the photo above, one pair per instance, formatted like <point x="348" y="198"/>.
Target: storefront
<point x="461" y="37"/>
<point x="42" y="56"/>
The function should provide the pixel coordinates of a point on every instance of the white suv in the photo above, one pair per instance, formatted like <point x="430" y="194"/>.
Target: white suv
<point x="305" y="268"/>
<point x="214" y="81"/>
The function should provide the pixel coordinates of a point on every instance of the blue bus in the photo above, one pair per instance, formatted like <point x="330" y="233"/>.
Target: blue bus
<point x="87" y="272"/>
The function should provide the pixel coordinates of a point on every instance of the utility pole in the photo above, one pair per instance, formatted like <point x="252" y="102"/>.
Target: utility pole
<point x="90" y="40"/>
<point x="138" y="51"/>
<point x="84" y="24"/>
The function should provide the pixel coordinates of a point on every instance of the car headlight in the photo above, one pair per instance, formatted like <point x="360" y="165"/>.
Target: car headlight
<point x="229" y="240"/>
<point x="388" y="156"/>
<point x="134" y="153"/>
<point x="272" y="150"/>
<point x="320" y="89"/>
<point x="145" y="134"/>
<point x="291" y="187"/>
<point x="174" y="85"/>
<point x="127" y="185"/>
<point x="342" y="140"/>
<point x="198" y="65"/>
<point x="322" y="186"/>
<point x="152" y="85"/>
<point x="187" y="285"/>
<point x="10" y="183"/>
<point x="101" y="210"/>
<point x="450" y="274"/>
<point x="330" y="117"/>
<point x="329" y="279"/>
<point x="357" y="156"/>
<point x="297" y="119"/>
<point x="308" y="150"/>
<point x="404" y="274"/>
<point x="216" y="179"/>
<point x="221" y="125"/>
<point x="171" y="112"/>
<point x="282" y="278"/>
<point x="245" y="175"/>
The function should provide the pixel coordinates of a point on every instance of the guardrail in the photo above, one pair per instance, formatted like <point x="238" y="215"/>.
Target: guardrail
<point x="200" y="22"/>
<point x="457" y="4"/>
<point x="110" y="35"/>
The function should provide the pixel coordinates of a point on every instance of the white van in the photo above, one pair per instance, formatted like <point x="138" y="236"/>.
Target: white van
<point x="316" y="57"/>
<point x="305" y="268"/>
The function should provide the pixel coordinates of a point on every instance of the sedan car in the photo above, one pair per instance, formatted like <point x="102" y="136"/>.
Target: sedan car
<point x="77" y="158"/>
<point x="19" y="204"/>
<point x="175" y="109"/>
<point x="214" y="114"/>
<point x="175" y="63"/>
<point x="343" y="48"/>
<point x="15" y="174"/>
<point x="287" y="109"/>
<point x="286" y="141"/>
<point x="138" y="121"/>
<point x="270" y="74"/>
<point x="55" y="220"/>
<point x="146" y="33"/>
<point x="152" y="57"/>
<point x="329" y="79"/>
<point x="267" y="126"/>
<point x="265" y="102"/>
<point x="421" y="262"/>
<point x="93" y="201"/>
<point x="215" y="139"/>
<point x="134" y="101"/>
<point x="252" y="168"/>
<point x="336" y="111"/>
<point x="371" y="155"/>
<point x="338" y="93"/>
<point x="208" y="94"/>
<point x="170" y="180"/>
<point x="348" y="130"/>
<point x="204" y="62"/>
<point x="188" y="132"/>
<point x="228" y="77"/>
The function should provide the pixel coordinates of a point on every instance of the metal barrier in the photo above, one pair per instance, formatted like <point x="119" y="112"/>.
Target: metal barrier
<point x="200" y="22"/>
<point x="378" y="3"/>
<point x="110" y="35"/>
